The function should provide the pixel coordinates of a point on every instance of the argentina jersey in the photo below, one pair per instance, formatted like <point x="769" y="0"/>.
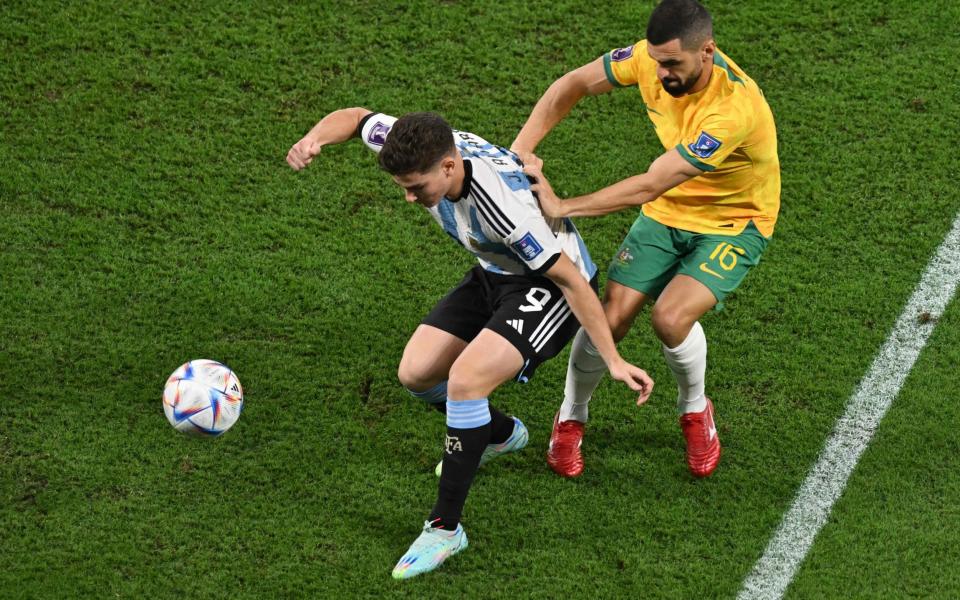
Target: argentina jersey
<point x="497" y="217"/>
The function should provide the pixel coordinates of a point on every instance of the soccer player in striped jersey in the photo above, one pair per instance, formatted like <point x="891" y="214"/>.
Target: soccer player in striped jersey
<point x="709" y="205"/>
<point x="534" y="287"/>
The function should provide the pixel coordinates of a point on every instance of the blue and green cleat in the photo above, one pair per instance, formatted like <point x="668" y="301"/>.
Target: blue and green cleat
<point x="516" y="441"/>
<point x="428" y="551"/>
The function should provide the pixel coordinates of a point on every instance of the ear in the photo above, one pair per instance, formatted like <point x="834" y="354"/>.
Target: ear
<point x="708" y="50"/>
<point x="448" y="165"/>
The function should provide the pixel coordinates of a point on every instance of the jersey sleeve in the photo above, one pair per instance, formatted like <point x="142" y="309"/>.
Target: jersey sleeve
<point x="510" y="213"/>
<point x="373" y="130"/>
<point x="622" y="64"/>
<point x="529" y="237"/>
<point x="535" y="244"/>
<point x="717" y="136"/>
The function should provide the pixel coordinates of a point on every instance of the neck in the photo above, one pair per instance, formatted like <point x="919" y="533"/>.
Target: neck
<point x="456" y="182"/>
<point x="704" y="80"/>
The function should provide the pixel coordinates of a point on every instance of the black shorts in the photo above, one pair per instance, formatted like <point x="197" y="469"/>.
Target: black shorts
<point x="529" y="311"/>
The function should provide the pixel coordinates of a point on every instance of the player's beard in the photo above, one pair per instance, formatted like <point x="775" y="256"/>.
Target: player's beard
<point x="679" y="87"/>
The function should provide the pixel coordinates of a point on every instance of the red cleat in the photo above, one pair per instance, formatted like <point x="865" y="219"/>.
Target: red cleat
<point x="703" y="443"/>
<point x="563" y="455"/>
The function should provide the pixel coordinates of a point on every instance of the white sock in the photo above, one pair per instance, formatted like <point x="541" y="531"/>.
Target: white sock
<point x="688" y="361"/>
<point x="584" y="372"/>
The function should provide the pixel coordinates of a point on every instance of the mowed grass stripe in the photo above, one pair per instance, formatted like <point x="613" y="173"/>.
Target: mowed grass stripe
<point x="775" y="570"/>
<point x="149" y="218"/>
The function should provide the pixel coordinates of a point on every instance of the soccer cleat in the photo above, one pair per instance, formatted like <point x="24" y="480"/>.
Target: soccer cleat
<point x="428" y="551"/>
<point x="516" y="441"/>
<point x="703" y="443"/>
<point x="563" y="454"/>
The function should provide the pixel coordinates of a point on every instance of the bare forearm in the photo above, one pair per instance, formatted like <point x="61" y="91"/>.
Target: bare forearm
<point x="632" y="191"/>
<point x="552" y="107"/>
<point x="556" y="102"/>
<point x="669" y="170"/>
<point x="586" y="307"/>
<point x="338" y="126"/>
<point x="588" y="310"/>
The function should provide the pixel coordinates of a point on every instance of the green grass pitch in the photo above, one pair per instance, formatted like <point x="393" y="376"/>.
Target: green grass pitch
<point x="147" y="217"/>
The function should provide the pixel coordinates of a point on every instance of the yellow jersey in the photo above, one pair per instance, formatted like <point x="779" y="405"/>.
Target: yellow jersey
<point x="725" y="129"/>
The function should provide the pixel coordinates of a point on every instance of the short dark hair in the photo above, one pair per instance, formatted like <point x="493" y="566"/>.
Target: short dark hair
<point x="687" y="20"/>
<point x="416" y="142"/>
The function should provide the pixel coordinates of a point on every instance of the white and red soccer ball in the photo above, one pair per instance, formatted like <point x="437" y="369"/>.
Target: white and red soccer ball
<point x="202" y="398"/>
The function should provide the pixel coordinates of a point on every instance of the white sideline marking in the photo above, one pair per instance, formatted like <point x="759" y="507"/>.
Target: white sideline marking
<point x="826" y="480"/>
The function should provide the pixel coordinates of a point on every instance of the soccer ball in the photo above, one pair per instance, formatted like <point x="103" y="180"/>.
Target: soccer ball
<point x="202" y="398"/>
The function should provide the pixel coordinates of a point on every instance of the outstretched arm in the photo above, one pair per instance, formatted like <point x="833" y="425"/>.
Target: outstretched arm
<point x="669" y="170"/>
<point x="586" y="307"/>
<point x="339" y="126"/>
<point x="556" y="102"/>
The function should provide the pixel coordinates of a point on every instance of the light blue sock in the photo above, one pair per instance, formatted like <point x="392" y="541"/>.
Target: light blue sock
<point x="468" y="414"/>
<point x="435" y="395"/>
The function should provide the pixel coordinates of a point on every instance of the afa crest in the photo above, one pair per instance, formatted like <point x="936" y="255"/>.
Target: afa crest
<point x="453" y="445"/>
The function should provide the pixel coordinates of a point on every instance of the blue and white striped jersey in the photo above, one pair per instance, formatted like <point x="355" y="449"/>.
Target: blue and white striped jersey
<point x="497" y="218"/>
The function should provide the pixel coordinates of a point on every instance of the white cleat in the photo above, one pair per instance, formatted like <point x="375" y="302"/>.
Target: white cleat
<point x="428" y="551"/>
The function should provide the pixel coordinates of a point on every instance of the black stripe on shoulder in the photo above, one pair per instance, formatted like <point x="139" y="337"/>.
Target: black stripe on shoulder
<point x="489" y="217"/>
<point x="483" y="196"/>
<point x="495" y="206"/>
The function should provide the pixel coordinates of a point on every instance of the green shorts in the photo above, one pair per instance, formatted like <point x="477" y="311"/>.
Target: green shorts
<point x="653" y="253"/>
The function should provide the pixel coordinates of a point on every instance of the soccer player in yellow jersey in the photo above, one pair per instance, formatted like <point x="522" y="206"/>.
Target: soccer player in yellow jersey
<point x="709" y="206"/>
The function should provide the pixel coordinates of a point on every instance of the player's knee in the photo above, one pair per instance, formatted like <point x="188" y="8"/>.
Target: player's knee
<point x="460" y="383"/>
<point x="668" y="322"/>
<point x="414" y="375"/>
<point x="464" y="383"/>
